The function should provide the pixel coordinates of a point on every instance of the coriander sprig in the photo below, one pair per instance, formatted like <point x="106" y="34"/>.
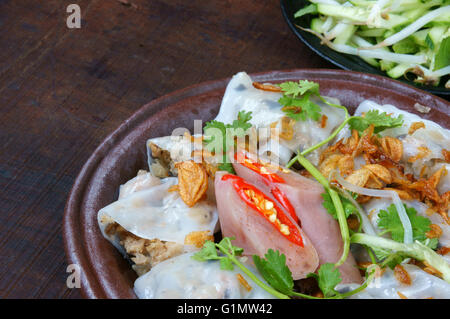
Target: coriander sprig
<point x="274" y="270"/>
<point x="296" y="100"/>
<point x="380" y="121"/>
<point x="220" y="137"/>
<point x="349" y="208"/>
<point x="389" y="221"/>
<point x="209" y="252"/>
<point x="328" y="277"/>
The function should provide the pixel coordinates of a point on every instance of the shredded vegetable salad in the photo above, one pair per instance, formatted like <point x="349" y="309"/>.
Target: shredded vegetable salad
<point x="409" y="38"/>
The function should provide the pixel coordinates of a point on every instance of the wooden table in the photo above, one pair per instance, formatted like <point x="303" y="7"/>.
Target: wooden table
<point x="62" y="91"/>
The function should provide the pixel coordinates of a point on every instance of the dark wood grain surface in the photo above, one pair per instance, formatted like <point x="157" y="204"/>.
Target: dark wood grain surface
<point x="62" y="91"/>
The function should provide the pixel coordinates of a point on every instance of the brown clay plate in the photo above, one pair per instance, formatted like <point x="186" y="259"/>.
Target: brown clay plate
<point x="104" y="272"/>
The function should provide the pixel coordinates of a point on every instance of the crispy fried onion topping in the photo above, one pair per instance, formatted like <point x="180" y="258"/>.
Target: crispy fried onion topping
<point x="266" y="87"/>
<point x="192" y="181"/>
<point x="382" y="169"/>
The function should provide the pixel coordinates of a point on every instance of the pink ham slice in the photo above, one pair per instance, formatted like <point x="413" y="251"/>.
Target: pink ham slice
<point x="321" y="228"/>
<point x="256" y="235"/>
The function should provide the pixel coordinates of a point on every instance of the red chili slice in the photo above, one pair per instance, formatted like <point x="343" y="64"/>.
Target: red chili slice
<point x="258" y="168"/>
<point x="270" y="178"/>
<point x="284" y="201"/>
<point x="278" y="218"/>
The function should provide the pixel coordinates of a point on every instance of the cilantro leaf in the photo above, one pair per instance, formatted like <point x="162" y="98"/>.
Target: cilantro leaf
<point x="274" y="270"/>
<point x="290" y="88"/>
<point x="217" y="140"/>
<point x="296" y="100"/>
<point x="391" y="223"/>
<point x="244" y="118"/>
<point x="381" y="121"/>
<point x="226" y="264"/>
<point x="226" y="244"/>
<point x="309" y="86"/>
<point x="228" y="259"/>
<point x="287" y="101"/>
<point x="328" y="277"/>
<point x="301" y="109"/>
<point x="349" y="208"/>
<point x="239" y="126"/>
<point x="300" y="88"/>
<point x="214" y="130"/>
<point x="208" y="252"/>
<point x="358" y="123"/>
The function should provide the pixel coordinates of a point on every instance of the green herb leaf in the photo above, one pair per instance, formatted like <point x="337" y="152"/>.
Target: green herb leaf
<point x="390" y="222"/>
<point x="228" y="260"/>
<point x="294" y="89"/>
<point x="208" y="252"/>
<point x="211" y="135"/>
<point x="226" y="264"/>
<point x="274" y="271"/>
<point x="349" y="208"/>
<point x="240" y="126"/>
<point x="300" y="108"/>
<point x="226" y="244"/>
<point x="358" y="123"/>
<point x="296" y="100"/>
<point x="328" y="277"/>
<point x="218" y="130"/>
<point x="381" y="121"/>
<point x="243" y="118"/>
